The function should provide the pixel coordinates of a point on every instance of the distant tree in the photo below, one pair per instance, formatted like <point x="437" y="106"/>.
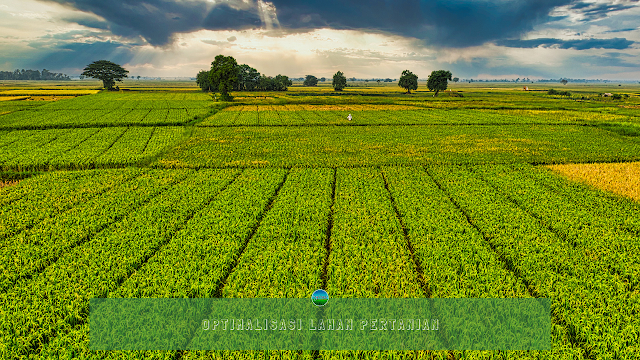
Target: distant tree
<point x="265" y="83"/>
<point x="438" y="81"/>
<point x="388" y="80"/>
<point x="323" y="79"/>
<point x="564" y="81"/>
<point x="339" y="81"/>
<point x="353" y="79"/>
<point x="224" y="75"/>
<point x="138" y="77"/>
<point x="310" y="80"/>
<point x="378" y="82"/>
<point x="279" y="83"/>
<point x="202" y="79"/>
<point x="282" y="83"/>
<point x="408" y="81"/>
<point x="455" y="79"/>
<point x="248" y="78"/>
<point x="106" y="71"/>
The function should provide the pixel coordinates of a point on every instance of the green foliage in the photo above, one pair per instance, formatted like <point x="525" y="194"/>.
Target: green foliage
<point x="564" y="81"/>
<point x="294" y="228"/>
<point x="408" y="81"/>
<point x="560" y="93"/>
<point x="85" y="148"/>
<point x="616" y="97"/>
<point x="224" y="75"/>
<point x="379" y="145"/>
<point x="438" y="81"/>
<point x="530" y="238"/>
<point x="106" y="71"/>
<point x="204" y="82"/>
<point x="624" y="129"/>
<point x="455" y="79"/>
<point x="310" y="80"/>
<point x="339" y="81"/>
<point x="278" y="83"/>
<point x="248" y="78"/>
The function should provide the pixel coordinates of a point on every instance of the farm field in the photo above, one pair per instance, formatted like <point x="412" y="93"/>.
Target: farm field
<point x="164" y="193"/>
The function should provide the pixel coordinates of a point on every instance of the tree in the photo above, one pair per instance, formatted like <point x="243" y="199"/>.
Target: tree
<point x="310" y="80"/>
<point x="224" y="75"/>
<point x="388" y="80"/>
<point x="138" y="77"/>
<point x="248" y="78"/>
<point x="455" y="80"/>
<point x="409" y="81"/>
<point x="281" y="83"/>
<point x="564" y="81"/>
<point x="323" y="79"/>
<point x="339" y="81"/>
<point x="438" y="81"/>
<point x="378" y="81"/>
<point x="202" y="79"/>
<point x="106" y="71"/>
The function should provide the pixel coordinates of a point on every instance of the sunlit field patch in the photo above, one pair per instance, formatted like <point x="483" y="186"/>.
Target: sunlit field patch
<point x="619" y="178"/>
<point x="48" y="92"/>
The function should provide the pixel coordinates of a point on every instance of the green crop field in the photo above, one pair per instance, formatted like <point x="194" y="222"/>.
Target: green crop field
<point x="157" y="192"/>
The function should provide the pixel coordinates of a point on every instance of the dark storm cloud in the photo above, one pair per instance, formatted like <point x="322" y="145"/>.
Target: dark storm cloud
<point x="79" y="55"/>
<point x="157" y="20"/>
<point x="582" y="44"/>
<point x="595" y="11"/>
<point x="88" y="21"/>
<point x="447" y="23"/>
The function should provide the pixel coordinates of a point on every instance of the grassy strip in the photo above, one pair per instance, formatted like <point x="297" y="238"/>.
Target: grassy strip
<point x="622" y="128"/>
<point x="345" y="146"/>
<point x="583" y="294"/>
<point x="98" y="266"/>
<point x="86" y="148"/>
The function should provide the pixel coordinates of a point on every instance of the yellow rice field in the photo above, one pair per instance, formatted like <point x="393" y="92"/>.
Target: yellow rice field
<point x="619" y="178"/>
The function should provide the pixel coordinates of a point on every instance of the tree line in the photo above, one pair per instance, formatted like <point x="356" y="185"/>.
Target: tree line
<point x="438" y="81"/>
<point x="226" y="75"/>
<point x="32" y="75"/>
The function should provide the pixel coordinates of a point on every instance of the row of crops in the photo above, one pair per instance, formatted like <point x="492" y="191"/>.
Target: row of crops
<point x="83" y="148"/>
<point x="337" y="146"/>
<point x="47" y="118"/>
<point x="446" y="231"/>
<point x="301" y="115"/>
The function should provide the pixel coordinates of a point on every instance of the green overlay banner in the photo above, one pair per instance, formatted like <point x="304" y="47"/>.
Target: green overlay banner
<point x="340" y="324"/>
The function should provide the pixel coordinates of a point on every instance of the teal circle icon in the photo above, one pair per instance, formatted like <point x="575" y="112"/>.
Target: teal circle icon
<point x="320" y="297"/>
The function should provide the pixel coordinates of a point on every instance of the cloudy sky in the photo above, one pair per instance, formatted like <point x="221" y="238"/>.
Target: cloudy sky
<point x="593" y="39"/>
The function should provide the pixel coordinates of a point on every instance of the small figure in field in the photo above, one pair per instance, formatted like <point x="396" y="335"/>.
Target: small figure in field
<point x="349" y="117"/>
